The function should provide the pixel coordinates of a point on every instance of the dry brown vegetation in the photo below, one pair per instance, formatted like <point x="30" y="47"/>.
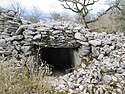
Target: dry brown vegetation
<point x="18" y="80"/>
<point x="106" y="23"/>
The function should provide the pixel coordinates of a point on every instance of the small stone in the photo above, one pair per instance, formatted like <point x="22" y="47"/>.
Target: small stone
<point x="28" y="33"/>
<point x="77" y="90"/>
<point x="70" y="84"/>
<point x="100" y="56"/>
<point x="95" y="51"/>
<point x="62" y="86"/>
<point x="71" y="91"/>
<point x="114" y="78"/>
<point x="56" y="32"/>
<point x="100" y="90"/>
<point x="25" y="49"/>
<point x="18" y="37"/>
<point x="9" y="39"/>
<point x="79" y="80"/>
<point x="79" y="36"/>
<point x="119" y="91"/>
<point x="95" y="42"/>
<point x="107" y="79"/>
<point x="83" y="65"/>
<point x="11" y="13"/>
<point x="81" y="87"/>
<point x="2" y="42"/>
<point x="37" y="37"/>
<point x="83" y="43"/>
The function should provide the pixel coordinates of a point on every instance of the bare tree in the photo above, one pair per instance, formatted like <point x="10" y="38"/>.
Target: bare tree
<point x="113" y="20"/>
<point x="81" y="7"/>
<point x="120" y="15"/>
<point x="67" y="17"/>
<point x="55" y="16"/>
<point x="64" y="16"/>
<point x="35" y="15"/>
<point x="18" y="7"/>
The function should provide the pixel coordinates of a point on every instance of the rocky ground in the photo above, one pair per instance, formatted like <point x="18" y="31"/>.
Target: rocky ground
<point x="104" y="73"/>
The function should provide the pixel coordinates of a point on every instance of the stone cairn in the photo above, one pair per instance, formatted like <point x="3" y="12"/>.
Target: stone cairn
<point x="105" y="71"/>
<point x="9" y="23"/>
<point x="103" y="67"/>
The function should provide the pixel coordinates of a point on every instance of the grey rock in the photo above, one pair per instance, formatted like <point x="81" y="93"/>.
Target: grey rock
<point x="38" y="36"/>
<point x="42" y="29"/>
<point x="95" y="51"/>
<point x="2" y="42"/>
<point x="56" y="32"/>
<point x="18" y="37"/>
<point x="100" y="57"/>
<point x="95" y="42"/>
<point x="25" y="49"/>
<point x="28" y="32"/>
<point x="9" y="39"/>
<point x="83" y="43"/>
<point x="11" y="13"/>
<point x="81" y="87"/>
<point x="79" y="36"/>
<point x="107" y="79"/>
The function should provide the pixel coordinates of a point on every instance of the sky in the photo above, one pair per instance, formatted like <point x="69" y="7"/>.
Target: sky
<point x="48" y="6"/>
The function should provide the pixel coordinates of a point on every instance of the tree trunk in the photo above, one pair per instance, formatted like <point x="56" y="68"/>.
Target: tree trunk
<point x="84" y="22"/>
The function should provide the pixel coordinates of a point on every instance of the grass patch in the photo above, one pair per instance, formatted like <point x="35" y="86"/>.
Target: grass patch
<point x="18" y="79"/>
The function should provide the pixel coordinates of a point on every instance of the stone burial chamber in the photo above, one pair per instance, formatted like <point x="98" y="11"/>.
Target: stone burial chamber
<point x="60" y="42"/>
<point x="59" y="58"/>
<point x="64" y="45"/>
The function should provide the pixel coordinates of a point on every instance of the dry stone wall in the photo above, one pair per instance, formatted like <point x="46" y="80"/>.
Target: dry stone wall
<point x="9" y="23"/>
<point x="56" y="34"/>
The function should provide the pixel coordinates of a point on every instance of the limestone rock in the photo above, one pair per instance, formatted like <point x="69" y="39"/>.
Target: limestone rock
<point x="95" y="42"/>
<point x="38" y="36"/>
<point x="79" y="36"/>
<point x="2" y="42"/>
<point x="107" y="79"/>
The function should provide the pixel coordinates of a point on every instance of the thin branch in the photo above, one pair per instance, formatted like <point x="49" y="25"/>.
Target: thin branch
<point x="100" y="15"/>
<point x="88" y="4"/>
<point x="69" y="8"/>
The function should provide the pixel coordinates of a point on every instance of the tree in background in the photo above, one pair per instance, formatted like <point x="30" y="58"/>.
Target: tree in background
<point x="55" y="16"/>
<point x="61" y="16"/>
<point x="18" y="7"/>
<point x="35" y="15"/>
<point x="81" y="7"/>
<point x="114" y="20"/>
<point x="105" y="23"/>
<point x="120" y="15"/>
<point x="78" y="18"/>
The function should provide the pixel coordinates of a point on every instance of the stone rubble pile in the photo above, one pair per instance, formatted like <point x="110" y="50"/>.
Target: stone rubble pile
<point x="9" y="23"/>
<point x="105" y="71"/>
<point x="56" y="34"/>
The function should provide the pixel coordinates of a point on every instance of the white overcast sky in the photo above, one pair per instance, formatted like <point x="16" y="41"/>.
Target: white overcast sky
<point x="48" y="6"/>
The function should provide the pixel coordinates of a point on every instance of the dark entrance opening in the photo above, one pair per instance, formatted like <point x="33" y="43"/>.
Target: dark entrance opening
<point x="59" y="58"/>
